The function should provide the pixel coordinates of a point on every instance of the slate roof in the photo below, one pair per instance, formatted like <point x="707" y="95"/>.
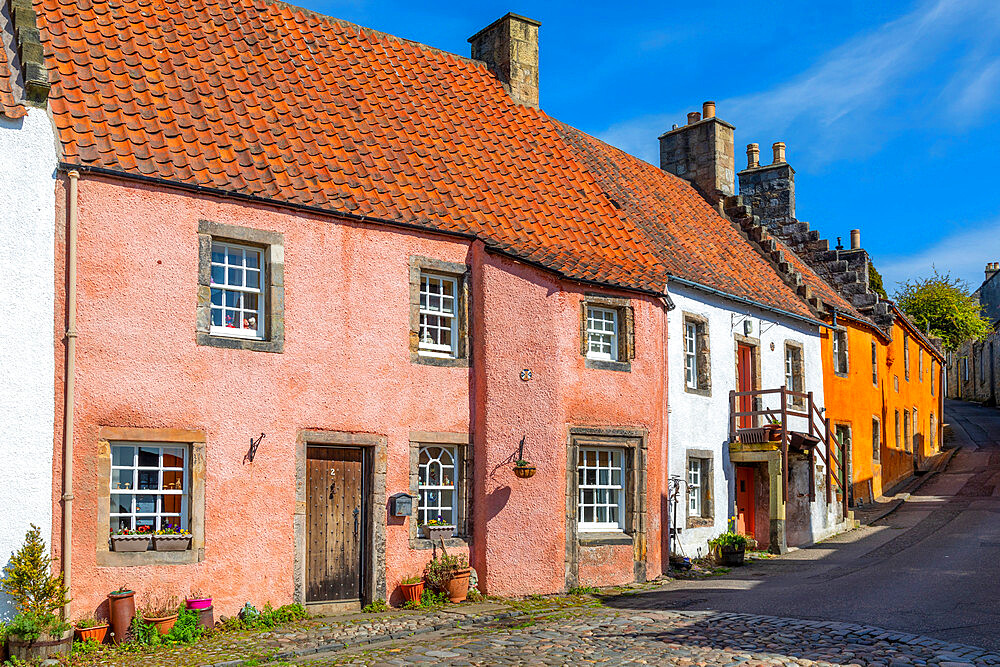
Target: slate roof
<point x="267" y="100"/>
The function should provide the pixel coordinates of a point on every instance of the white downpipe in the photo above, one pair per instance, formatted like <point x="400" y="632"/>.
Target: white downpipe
<point x="70" y="390"/>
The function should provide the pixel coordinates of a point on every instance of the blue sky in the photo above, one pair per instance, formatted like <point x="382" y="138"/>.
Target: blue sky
<point x="889" y="109"/>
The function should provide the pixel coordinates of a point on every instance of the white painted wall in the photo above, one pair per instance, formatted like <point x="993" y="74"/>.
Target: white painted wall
<point x="702" y="422"/>
<point x="27" y="356"/>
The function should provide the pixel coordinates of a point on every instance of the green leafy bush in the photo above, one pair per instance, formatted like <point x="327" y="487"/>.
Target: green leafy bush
<point x="29" y="581"/>
<point x="729" y="540"/>
<point x="250" y="618"/>
<point x="375" y="607"/>
<point x="30" y="625"/>
<point x="187" y="628"/>
<point x="439" y="571"/>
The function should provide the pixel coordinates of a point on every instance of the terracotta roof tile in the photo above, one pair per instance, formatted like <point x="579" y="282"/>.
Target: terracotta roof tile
<point x="10" y="105"/>
<point x="276" y="102"/>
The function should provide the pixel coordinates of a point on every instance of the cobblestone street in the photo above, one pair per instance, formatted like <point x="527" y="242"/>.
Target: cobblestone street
<point x="614" y="637"/>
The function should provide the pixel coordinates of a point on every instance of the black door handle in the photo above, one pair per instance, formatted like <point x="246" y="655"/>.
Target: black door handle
<point x="356" y="511"/>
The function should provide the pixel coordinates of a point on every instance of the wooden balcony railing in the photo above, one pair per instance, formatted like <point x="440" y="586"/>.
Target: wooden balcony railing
<point x="800" y="407"/>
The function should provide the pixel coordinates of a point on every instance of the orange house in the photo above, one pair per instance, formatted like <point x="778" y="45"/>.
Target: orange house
<point x="883" y="397"/>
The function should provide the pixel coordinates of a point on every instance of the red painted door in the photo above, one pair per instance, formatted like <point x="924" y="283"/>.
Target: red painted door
<point x="745" y="501"/>
<point x="745" y="381"/>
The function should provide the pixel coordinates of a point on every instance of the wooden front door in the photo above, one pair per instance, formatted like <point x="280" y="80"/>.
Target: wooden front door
<point x="745" y="500"/>
<point x="745" y="381"/>
<point x="335" y="520"/>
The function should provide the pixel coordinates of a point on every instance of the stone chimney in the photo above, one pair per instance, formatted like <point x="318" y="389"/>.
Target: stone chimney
<point x="509" y="46"/>
<point x="770" y="189"/>
<point x="702" y="152"/>
<point x="991" y="269"/>
<point x="855" y="239"/>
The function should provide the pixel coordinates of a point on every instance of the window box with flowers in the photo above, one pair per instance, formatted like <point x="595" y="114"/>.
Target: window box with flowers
<point x="437" y="529"/>
<point x="171" y="538"/>
<point x="126" y="539"/>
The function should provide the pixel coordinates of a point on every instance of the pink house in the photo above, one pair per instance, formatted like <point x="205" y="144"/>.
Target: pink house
<point x="321" y="271"/>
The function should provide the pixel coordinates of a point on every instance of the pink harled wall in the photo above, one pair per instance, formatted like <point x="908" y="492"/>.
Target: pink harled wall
<point x="345" y="367"/>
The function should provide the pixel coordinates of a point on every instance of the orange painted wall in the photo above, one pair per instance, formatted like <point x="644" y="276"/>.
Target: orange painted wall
<point x="855" y="399"/>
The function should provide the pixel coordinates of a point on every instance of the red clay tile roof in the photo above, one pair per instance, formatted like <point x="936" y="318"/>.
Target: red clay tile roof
<point x="271" y="101"/>
<point x="10" y="106"/>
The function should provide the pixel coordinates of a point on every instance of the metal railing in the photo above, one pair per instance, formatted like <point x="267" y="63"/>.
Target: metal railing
<point x="800" y="406"/>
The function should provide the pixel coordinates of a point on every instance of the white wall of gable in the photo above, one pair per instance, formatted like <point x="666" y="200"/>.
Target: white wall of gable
<point x="702" y="422"/>
<point x="27" y="356"/>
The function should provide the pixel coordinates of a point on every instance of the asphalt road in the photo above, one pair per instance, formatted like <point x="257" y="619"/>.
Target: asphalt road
<point x="932" y="567"/>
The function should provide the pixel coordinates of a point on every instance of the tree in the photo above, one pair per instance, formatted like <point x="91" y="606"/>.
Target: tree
<point x="29" y="581"/>
<point x="875" y="281"/>
<point x="945" y="306"/>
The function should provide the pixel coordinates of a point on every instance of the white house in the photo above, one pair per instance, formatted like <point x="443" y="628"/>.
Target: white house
<point x="27" y="356"/>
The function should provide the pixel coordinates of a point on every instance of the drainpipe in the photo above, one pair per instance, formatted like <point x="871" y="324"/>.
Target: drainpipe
<point x="69" y="393"/>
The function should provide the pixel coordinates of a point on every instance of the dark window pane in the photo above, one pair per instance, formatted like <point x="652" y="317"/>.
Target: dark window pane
<point x="121" y="503"/>
<point x="149" y="457"/>
<point x="122" y="456"/>
<point x="149" y="480"/>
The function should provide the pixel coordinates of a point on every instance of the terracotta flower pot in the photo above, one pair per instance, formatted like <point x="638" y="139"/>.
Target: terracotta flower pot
<point x="163" y="623"/>
<point x="773" y="432"/>
<point x="458" y="585"/>
<point x="43" y="648"/>
<point x="121" y="606"/>
<point x="198" y="603"/>
<point x="525" y="472"/>
<point x="129" y="542"/>
<point x="171" y="542"/>
<point x="98" y="633"/>
<point x="413" y="592"/>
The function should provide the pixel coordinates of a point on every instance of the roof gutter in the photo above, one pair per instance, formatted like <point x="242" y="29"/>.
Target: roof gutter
<point x="427" y="229"/>
<point x="750" y="302"/>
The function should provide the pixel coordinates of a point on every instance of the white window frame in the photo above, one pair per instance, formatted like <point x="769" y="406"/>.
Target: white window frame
<point x="876" y="439"/>
<point x="899" y="435"/>
<point x="590" y="480"/>
<point x="907" y="431"/>
<point x="427" y="347"/>
<point x="906" y="356"/>
<point x="158" y="515"/>
<point x="965" y="369"/>
<point x="597" y="337"/>
<point x="224" y="287"/>
<point x="691" y="354"/>
<point x="790" y="351"/>
<point x="837" y="344"/>
<point x="874" y="363"/>
<point x="439" y="459"/>
<point x="695" y="483"/>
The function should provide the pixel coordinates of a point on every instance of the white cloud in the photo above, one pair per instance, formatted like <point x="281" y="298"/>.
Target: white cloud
<point x="963" y="254"/>
<point x="844" y="103"/>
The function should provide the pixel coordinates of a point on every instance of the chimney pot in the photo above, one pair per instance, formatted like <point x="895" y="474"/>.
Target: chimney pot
<point x="693" y="117"/>
<point x="708" y="110"/>
<point x="855" y="239"/>
<point x="779" y="152"/>
<point x="753" y="156"/>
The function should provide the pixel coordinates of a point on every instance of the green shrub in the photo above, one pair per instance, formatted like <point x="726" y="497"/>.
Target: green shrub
<point x="729" y="539"/>
<point x="29" y="581"/>
<point x="439" y="571"/>
<point x="583" y="590"/>
<point x="187" y="628"/>
<point x="375" y="607"/>
<point x="29" y="625"/>
<point x="250" y="618"/>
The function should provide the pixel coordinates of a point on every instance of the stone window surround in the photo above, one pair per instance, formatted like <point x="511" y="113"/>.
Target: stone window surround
<point x="626" y="331"/>
<point x="195" y="441"/>
<point x="376" y="454"/>
<point x="842" y="333"/>
<point x="799" y="370"/>
<point x="906" y="356"/>
<point x="463" y="487"/>
<point x="634" y="442"/>
<point x="273" y="245"/>
<point x="702" y="353"/>
<point x="463" y="275"/>
<point x="707" y="518"/>
<point x="877" y="446"/>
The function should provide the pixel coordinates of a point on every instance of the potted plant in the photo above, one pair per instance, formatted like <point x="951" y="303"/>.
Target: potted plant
<point x="161" y="612"/>
<point x="729" y="548"/>
<point x="198" y="601"/>
<point x="773" y="429"/>
<point x="171" y="538"/>
<point x="413" y="588"/>
<point x="36" y="632"/>
<point x="121" y="608"/>
<point x="449" y="574"/>
<point x="438" y="528"/>
<point x="90" y="628"/>
<point x="523" y="469"/>
<point x="126" y="539"/>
